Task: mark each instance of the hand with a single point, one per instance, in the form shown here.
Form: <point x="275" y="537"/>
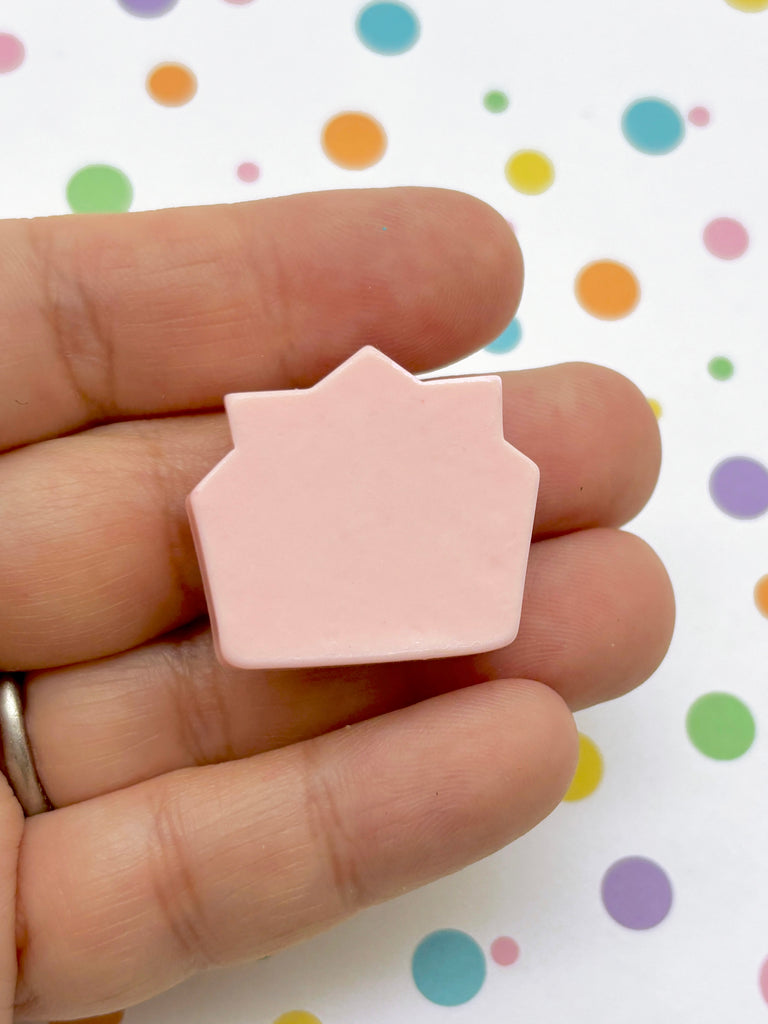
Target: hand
<point x="206" y="816"/>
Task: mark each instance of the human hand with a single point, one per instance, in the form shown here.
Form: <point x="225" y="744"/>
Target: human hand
<point x="204" y="815"/>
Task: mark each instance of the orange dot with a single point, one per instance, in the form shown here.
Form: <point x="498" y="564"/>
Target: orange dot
<point x="173" y="85"/>
<point x="607" y="289"/>
<point x="354" y="141"/>
<point x="761" y="595"/>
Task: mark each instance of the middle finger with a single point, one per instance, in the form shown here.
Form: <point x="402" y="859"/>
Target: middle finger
<point x="102" y="559"/>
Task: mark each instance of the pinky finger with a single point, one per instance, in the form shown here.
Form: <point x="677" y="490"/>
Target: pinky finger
<point x="125" y="895"/>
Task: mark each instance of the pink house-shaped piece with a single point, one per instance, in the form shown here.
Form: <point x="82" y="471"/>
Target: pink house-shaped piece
<point x="372" y="517"/>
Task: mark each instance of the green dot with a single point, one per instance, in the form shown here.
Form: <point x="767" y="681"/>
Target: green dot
<point x="721" y="368"/>
<point x="720" y="726"/>
<point x="495" y="101"/>
<point x="99" y="188"/>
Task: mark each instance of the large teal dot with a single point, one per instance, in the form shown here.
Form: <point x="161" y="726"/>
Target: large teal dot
<point x="653" y="126"/>
<point x="99" y="188"/>
<point x="448" y="967"/>
<point x="387" y="27"/>
<point x="508" y="339"/>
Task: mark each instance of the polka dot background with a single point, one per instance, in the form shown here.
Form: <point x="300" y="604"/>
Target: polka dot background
<point x="642" y="212"/>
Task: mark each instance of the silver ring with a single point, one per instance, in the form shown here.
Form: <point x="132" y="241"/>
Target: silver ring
<point x="17" y="753"/>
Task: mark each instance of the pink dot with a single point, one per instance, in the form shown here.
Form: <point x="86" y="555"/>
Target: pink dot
<point x="505" y="951"/>
<point x="699" y="116"/>
<point x="763" y="980"/>
<point x="726" y="238"/>
<point x="238" y="2"/>
<point x="248" y="171"/>
<point x="11" y="52"/>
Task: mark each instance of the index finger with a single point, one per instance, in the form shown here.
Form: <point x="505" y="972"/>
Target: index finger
<point x="120" y="315"/>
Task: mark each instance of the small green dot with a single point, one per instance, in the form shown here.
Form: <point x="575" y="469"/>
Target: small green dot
<point x="720" y="726"/>
<point x="721" y="368"/>
<point x="99" y="188"/>
<point x="495" y="101"/>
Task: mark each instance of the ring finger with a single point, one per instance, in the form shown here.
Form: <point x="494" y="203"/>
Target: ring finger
<point x="108" y="725"/>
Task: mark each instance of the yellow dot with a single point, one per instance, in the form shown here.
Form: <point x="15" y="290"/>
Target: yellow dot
<point x="589" y="770"/>
<point x="761" y="595"/>
<point x="529" y="172"/>
<point x="354" y="140"/>
<point x="607" y="289"/>
<point x="656" y="406"/>
<point x="750" y="6"/>
<point x="297" y="1017"/>
<point x="173" y="85"/>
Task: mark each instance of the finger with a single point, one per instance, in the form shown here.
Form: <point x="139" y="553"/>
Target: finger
<point x="597" y="620"/>
<point x="11" y="828"/>
<point x="122" y="315"/>
<point x="214" y="865"/>
<point x="102" y="559"/>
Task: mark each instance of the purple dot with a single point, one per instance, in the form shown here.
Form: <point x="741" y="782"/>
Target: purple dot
<point x="637" y="893"/>
<point x="739" y="486"/>
<point x="147" y="8"/>
<point x="248" y="171"/>
<point x="11" y="52"/>
<point x="726" y="238"/>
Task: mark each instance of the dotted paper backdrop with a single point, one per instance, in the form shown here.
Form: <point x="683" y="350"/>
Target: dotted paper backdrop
<point x="627" y="145"/>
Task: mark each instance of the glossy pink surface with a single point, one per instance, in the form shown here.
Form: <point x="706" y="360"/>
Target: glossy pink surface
<point x="372" y="517"/>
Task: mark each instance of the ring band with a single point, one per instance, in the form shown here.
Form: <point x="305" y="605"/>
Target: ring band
<point x="17" y="753"/>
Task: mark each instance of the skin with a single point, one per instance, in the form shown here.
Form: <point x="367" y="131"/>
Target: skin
<point x="207" y="816"/>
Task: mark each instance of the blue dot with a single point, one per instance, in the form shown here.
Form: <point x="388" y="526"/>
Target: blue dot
<point x="653" y="126"/>
<point x="387" y="27"/>
<point x="448" y="967"/>
<point x="508" y="339"/>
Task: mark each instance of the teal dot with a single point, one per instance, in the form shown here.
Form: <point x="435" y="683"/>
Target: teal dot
<point x="653" y="126"/>
<point x="387" y="28"/>
<point x="99" y="188"/>
<point x="508" y="339"/>
<point x="448" y="967"/>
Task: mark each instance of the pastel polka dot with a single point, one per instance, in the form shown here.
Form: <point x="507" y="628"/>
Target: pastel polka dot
<point x="658" y="411"/>
<point x="496" y="101"/>
<point x="354" y="140"/>
<point x="748" y="6"/>
<point x="99" y="188"/>
<point x="720" y="367"/>
<point x="607" y="289"/>
<point x="762" y="980"/>
<point x="720" y="726"/>
<point x="699" y="116"/>
<point x="589" y="770"/>
<point x="761" y="595"/>
<point x="389" y="28"/>
<point x="448" y="967"/>
<point x="739" y="487"/>
<point x="147" y="8"/>
<point x="637" y="893"/>
<point x="530" y="172"/>
<point x="507" y="340"/>
<point x="653" y="126"/>
<point x="171" y="84"/>
<point x="297" y="1016"/>
<point x="504" y="951"/>
<point x="238" y="3"/>
<point x="248" y="171"/>
<point x="12" y="52"/>
<point x="726" y="238"/>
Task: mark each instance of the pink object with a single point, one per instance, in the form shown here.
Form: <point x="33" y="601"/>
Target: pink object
<point x="248" y="171"/>
<point x="699" y="116"/>
<point x="372" y="517"/>
<point x="726" y="238"/>
<point x="505" y="951"/>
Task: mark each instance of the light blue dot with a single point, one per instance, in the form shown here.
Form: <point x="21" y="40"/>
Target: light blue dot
<point x="448" y="967"/>
<point x="653" y="126"/>
<point x="508" y="339"/>
<point x="388" y="28"/>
